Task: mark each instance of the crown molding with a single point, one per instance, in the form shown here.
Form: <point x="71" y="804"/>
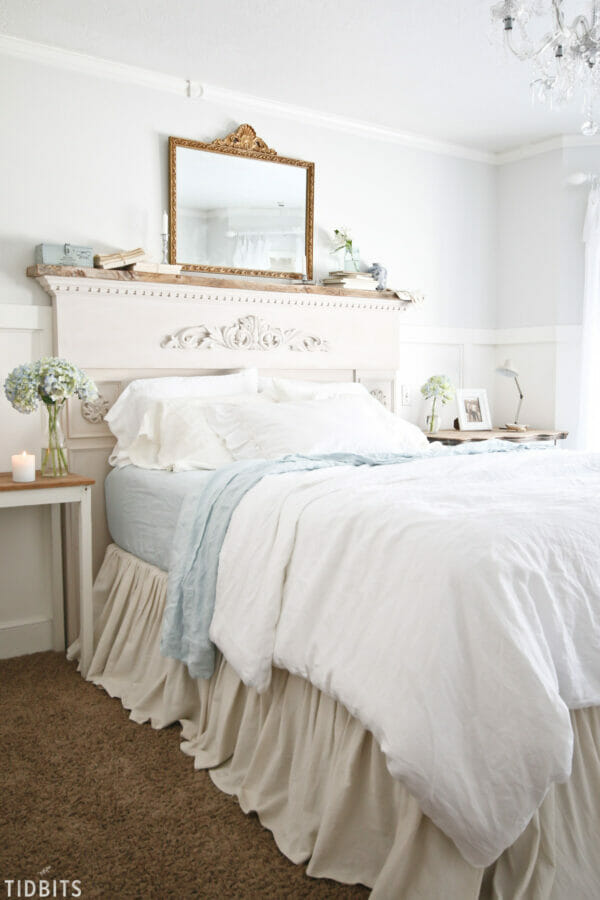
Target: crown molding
<point x="526" y="151"/>
<point x="72" y="60"/>
<point x="217" y="95"/>
<point x="94" y="65"/>
<point x="106" y="68"/>
<point x="563" y="142"/>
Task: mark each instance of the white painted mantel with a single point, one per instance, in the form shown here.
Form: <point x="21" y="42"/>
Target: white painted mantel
<point x="103" y="324"/>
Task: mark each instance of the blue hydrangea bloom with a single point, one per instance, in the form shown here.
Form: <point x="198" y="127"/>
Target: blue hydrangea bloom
<point x="51" y="380"/>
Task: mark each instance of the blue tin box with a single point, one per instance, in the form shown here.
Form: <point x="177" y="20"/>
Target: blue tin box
<point x="64" y="255"/>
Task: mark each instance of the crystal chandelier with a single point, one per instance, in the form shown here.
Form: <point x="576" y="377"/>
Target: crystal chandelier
<point x="566" y="59"/>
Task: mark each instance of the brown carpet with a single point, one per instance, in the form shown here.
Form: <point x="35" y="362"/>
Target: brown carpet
<point x="87" y="794"/>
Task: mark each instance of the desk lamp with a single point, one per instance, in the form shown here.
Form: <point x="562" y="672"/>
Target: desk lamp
<point x="509" y="371"/>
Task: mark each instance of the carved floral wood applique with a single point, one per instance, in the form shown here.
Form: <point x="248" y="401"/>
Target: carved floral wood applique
<point x="378" y="394"/>
<point x="245" y="138"/>
<point x="93" y="411"/>
<point x="246" y="333"/>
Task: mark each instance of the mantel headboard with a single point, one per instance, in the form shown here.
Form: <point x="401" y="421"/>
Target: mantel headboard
<point x="120" y="330"/>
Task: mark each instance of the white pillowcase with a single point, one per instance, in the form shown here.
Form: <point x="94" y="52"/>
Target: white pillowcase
<point x="185" y="438"/>
<point x="175" y="435"/>
<point x="290" y="389"/>
<point x="132" y="417"/>
<point x="354" y="424"/>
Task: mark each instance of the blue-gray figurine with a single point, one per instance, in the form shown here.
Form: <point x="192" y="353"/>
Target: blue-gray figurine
<point x="380" y="273"/>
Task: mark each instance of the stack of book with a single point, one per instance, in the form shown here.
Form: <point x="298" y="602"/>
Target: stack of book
<point x="119" y="260"/>
<point x="135" y="261"/>
<point x="354" y="281"/>
<point x="156" y="268"/>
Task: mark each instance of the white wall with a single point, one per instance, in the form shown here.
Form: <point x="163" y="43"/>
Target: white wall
<point x="529" y="228"/>
<point x="540" y="281"/>
<point x="88" y="164"/>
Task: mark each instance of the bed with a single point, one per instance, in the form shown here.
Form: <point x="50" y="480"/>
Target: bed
<point x="313" y="772"/>
<point x="312" y="760"/>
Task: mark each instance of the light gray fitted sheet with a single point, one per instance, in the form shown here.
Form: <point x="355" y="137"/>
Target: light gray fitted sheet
<point x="142" y="507"/>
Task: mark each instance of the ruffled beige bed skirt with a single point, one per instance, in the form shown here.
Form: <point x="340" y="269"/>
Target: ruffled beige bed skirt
<point x="318" y="780"/>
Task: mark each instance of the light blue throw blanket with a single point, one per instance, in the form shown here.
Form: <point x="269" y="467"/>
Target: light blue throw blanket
<point x="202" y="526"/>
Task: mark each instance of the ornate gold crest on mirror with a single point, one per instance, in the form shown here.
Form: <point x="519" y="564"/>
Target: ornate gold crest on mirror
<point x="236" y="207"/>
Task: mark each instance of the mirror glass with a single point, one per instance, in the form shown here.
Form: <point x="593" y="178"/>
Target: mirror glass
<point x="238" y="212"/>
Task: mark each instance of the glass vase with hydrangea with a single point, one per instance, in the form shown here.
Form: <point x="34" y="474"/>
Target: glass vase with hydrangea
<point x="52" y="381"/>
<point x="438" y="387"/>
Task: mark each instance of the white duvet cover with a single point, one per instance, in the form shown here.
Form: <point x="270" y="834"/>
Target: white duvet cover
<point x="451" y="604"/>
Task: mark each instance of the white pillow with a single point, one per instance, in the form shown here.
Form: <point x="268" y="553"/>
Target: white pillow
<point x="131" y="417"/>
<point x="290" y="389"/>
<point x="186" y="440"/>
<point x="353" y="424"/>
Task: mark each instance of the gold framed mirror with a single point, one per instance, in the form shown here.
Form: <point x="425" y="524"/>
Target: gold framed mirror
<point x="238" y="208"/>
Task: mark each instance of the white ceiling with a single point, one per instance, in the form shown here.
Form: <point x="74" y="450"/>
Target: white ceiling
<point x="422" y="66"/>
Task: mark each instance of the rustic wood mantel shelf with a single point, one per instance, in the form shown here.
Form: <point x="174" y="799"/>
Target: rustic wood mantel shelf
<point x="188" y="278"/>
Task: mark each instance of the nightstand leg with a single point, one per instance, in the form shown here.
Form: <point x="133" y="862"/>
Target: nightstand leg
<point x="58" y="599"/>
<point x="86" y="619"/>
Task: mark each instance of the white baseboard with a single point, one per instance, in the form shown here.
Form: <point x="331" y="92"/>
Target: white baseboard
<point x="27" y="636"/>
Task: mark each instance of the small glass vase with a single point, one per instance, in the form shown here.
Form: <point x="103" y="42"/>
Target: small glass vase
<point x="54" y="452"/>
<point x="352" y="260"/>
<point x="339" y="256"/>
<point x="433" y="423"/>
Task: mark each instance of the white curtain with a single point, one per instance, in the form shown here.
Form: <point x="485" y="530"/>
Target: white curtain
<point x="251" y="251"/>
<point x="589" y="412"/>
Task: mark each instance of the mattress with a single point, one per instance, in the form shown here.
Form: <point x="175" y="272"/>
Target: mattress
<point x="142" y="507"/>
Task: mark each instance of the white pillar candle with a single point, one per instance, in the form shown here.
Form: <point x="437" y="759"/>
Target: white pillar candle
<point x="23" y="467"/>
<point x="165" y="223"/>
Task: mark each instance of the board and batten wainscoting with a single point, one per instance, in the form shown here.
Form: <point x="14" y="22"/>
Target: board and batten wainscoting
<point x="112" y="329"/>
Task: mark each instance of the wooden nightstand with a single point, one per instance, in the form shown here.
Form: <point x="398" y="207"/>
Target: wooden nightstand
<point x="52" y="492"/>
<point x="452" y="436"/>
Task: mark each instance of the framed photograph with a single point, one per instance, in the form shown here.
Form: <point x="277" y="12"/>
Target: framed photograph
<point x="473" y="409"/>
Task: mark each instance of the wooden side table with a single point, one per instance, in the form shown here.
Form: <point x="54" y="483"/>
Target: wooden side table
<point x="452" y="437"/>
<point x="52" y="492"/>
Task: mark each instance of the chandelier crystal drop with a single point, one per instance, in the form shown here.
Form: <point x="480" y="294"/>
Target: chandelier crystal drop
<point x="566" y="59"/>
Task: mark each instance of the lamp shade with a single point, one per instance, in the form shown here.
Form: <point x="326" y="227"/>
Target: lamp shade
<point x="508" y="369"/>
